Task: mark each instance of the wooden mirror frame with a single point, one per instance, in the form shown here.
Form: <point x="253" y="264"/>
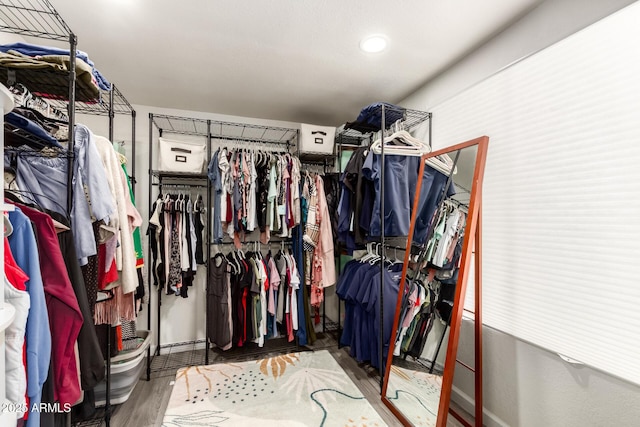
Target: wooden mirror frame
<point x="461" y="285"/>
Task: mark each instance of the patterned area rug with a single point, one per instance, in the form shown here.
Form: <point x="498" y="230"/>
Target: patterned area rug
<point x="416" y="394"/>
<point x="296" y="389"/>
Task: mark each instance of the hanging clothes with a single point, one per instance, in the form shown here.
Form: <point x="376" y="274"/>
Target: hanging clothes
<point x="64" y="313"/>
<point x="359" y="205"/>
<point x="254" y="189"/>
<point x="127" y="216"/>
<point x="219" y="304"/>
<point x="198" y="209"/>
<point x="360" y="288"/>
<point x="252" y="297"/>
<point x="69" y="257"/>
<point x="177" y="243"/>
<point x="430" y="293"/>
<point x="15" y="293"/>
<point x="38" y="335"/>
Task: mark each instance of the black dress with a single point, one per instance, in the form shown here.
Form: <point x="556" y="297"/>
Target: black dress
<point x="218" y="299"/>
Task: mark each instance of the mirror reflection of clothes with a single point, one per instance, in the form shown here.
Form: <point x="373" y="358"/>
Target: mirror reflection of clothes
<point x="220" y="323"/>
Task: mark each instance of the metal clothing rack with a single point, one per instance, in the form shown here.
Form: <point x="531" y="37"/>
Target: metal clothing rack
<point x="411" y="119"/>
<point x="180" y="126"/>
<point x="212" y="130"/>
<point x="38" y="18"/>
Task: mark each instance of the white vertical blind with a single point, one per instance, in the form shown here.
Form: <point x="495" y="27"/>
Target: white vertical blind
<point x="561" y="206"/>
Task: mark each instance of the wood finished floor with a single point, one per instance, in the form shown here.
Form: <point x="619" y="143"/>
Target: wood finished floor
<point x="146" y="405"/>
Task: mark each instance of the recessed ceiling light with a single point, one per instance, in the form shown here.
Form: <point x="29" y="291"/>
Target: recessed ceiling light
<point x="373" y="44"/>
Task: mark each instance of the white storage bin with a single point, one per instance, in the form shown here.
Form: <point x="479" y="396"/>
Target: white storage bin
<point x="317" y="140"/>
<point x="181" y="156"/>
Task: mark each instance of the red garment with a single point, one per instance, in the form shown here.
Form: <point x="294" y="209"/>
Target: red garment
<point x="119" y="337"/>
<point x="14" y="274"/>
<point x="288" y="315"/>
<point x="18" y="279"/>
<point x="65" y="317"/>
<point x="105" y="278"/>
<point x="245" y="293"/>
<point x="266" y="280"/>
<point x="229" y="215"/>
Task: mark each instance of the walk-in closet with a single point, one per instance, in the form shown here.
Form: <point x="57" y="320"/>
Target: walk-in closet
<point x="319" y="214"/>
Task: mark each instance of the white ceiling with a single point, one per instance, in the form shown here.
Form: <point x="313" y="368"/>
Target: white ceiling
<point x="295" y="60"/>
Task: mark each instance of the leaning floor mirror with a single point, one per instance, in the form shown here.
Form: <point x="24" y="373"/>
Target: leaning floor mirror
<point x="421" y="361"/>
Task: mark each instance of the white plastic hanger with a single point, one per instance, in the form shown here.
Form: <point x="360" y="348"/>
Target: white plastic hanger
<point x="369" y="253"/>
<point x="442" y="163"/>
<point x="411" y="145"/>
<point x="406" y="144"/>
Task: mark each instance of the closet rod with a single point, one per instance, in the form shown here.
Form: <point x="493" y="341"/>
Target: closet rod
<point x="458" y="203"/>
<point x="185" y="186"/>
<point x="399" y="248"/>
<point x="272" y="242"/>
<point x="243" y="139"/>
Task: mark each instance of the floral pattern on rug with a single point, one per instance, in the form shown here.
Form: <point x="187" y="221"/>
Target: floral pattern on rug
<point x="297" y="389"/>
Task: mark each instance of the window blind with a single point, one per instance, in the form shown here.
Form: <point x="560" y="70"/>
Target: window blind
<point x="561" y="206"/>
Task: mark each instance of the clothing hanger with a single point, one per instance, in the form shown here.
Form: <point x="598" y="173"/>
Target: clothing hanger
<point x="20" y="94"/>
<point x="104" y="295"/>
<point x="32" y="197"/>
<point x="442" y="163"/>
<point x="14" y="175"/>
<point x="233" y="262"/>
<point x="378" y="256"/>
<point x="369" y="253"/>
<point x="26" y="138"/>
<point x="259" y="250"/>
<point x="411" y="146"/>
<point x="8" y="227"/>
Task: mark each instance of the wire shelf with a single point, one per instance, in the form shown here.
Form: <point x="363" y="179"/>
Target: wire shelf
<point x="253" y="133"/>
<point x="55" y="84"/>
<point x="13" y="152"/>
<point x="101" y="107"/>
<point x="231" y="131"/>
<point x="14" y="133"/>
<point x="411" y="120"/>
<point x="38" y="18"/>
<point x="35" y="18"/>
<point x="180" y="125"/>
<point x="178" y="175"/>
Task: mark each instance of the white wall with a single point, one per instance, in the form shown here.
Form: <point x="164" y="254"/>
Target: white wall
<point x="526" y="385"/>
